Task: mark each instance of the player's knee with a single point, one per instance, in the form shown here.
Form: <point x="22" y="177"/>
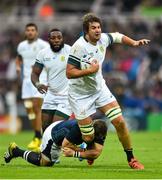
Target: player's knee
<point x="31" y="116"/>
<point x="28" y="104"/>
<point x="119" y="123"/>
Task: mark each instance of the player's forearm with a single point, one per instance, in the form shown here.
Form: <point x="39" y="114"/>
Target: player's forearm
<point x="88" y="154"/>
<point x="128" y="41"/>
<point x="74" y="147"/>
<point x="36" y="71"/>
<point x="35" y="79"/>
<point x="131" y="42"/>
<point x="76" y="73"/>
<point x="68" y="144"/>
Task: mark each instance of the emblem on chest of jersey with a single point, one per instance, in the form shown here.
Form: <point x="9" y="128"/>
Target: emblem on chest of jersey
<point x="101" y="48"/>
<point x="62" y="58"/>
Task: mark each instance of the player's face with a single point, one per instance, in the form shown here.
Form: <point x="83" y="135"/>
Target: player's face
<point x="56" y="41"/>
<point x="31" y="33"/>
<point x="94" y="31"/>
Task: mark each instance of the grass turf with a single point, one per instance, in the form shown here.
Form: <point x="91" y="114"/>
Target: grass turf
<point x="111" y="164"/>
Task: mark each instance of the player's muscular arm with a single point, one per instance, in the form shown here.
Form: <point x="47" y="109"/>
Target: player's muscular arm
<point x="68" y="144"/>
<point x="120" y="38"/>
<point x="73" y="72"/>
<point x="92" y="153"/>
<point x="36" y="71"/>
<point x="128" y="41"/>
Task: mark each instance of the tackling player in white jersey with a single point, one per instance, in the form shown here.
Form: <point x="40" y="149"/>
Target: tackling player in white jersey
<point x="27" y="51"/>
<point x="54" y="60"/>
<point x="87" y="88"/>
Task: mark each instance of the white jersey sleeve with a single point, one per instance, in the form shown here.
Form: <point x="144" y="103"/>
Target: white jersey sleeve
<point x="117" y="37"/>
<point x="110" y="38"/>
<point x="106" y="39"/>
<point x="76" y="53"/>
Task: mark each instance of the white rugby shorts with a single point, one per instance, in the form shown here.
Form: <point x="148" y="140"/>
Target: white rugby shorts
<point x="85" y="105"/>
<point x="29" y="90"/>
<point x="57" y="102"/>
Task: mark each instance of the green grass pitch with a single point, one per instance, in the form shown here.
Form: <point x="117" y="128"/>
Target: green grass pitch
<point x="111" y="164"/>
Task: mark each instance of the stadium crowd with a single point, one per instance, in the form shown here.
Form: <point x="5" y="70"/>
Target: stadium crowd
<point x="134" y="75"/>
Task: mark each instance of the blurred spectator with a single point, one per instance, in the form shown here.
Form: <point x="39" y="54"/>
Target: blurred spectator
<point x="46" y="11"/>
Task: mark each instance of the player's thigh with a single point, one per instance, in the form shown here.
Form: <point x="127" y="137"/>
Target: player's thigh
<point x="50" y="151"/>
<point x="60" y="116"/>
<point x="46" y="144"/>
<point x="83" y="106"/>
<point x="105" y="98"/>
<point x="85" y="121"/>
<point x="108" y="106"/>
<point x="47" y="115"/>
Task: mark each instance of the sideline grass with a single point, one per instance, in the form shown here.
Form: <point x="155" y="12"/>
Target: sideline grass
<point x="110" y="165"/>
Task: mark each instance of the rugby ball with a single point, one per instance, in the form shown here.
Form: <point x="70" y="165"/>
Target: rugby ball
<point x="86" y="61"/>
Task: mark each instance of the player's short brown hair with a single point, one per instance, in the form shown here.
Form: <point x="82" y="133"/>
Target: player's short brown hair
<point x="89" y="18"/>
<point x="100" y="128"/>
<point x="32" y="25"/>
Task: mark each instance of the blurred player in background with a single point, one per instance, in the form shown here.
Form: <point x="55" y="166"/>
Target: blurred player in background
<point x="54" y="59"/>
<point x="87" y="88"/>
<point x="65" y="135"/>
<point x="27" y="51"/>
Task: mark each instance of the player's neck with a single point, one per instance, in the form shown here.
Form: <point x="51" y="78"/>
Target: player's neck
<point x="89" y="40"/>
<point x="31" y="40"/>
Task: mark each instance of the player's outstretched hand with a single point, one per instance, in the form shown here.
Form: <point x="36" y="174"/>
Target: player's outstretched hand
<point x="141" y="42"/>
